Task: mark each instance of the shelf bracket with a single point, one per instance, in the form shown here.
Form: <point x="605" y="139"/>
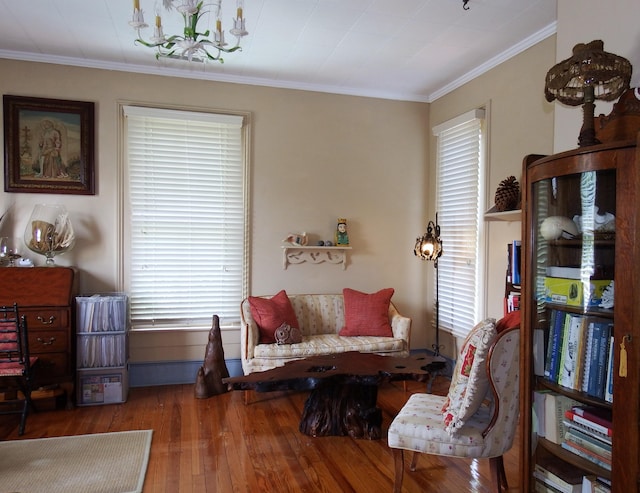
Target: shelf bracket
<point x="314" y="254"/>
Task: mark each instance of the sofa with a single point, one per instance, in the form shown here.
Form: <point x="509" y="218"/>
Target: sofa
<point x="322" y="323"/>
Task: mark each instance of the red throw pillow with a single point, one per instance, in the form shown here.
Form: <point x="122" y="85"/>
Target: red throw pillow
<point x="271" y="313"/>
<point x="367" y="314"/>
<point x="509" y="321"/>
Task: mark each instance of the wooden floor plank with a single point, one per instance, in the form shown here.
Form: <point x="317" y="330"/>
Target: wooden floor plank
<point x="223" y="445"/>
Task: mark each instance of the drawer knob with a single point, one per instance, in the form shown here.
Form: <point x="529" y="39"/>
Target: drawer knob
<point x="46" y="322"/>
<point x="46" y="343"/>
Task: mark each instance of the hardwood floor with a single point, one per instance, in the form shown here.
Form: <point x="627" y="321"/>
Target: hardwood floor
<point x="223" y="445"/>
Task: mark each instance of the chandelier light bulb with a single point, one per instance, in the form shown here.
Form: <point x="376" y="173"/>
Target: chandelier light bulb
<point x="196" y="42"/>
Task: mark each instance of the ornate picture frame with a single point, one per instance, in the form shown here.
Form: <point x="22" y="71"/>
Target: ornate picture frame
<point x="49" y="145"/>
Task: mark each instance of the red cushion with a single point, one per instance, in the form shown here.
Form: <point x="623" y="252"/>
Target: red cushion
<point x="270" y="314"/>
<point x="367" y="314"/>
<point x="509" y="321"/>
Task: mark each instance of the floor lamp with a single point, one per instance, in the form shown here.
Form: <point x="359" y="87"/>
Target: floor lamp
<point x="429" y="247"/>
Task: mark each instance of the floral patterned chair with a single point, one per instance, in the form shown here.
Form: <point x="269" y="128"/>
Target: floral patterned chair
<point x="479" y="416"/>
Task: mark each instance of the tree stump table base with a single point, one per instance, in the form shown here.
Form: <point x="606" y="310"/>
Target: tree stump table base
<point x="344" y="388"/>
<point x="342" y="410"/>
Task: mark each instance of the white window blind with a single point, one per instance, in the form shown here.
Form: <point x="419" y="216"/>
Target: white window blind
<point x="185" y="217"/>
<point x="458" y="204"/>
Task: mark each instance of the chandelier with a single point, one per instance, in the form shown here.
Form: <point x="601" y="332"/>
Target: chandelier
<point x="192" y="44"/>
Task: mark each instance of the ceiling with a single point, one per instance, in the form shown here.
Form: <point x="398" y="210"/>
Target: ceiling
<point x="414" y="50"/>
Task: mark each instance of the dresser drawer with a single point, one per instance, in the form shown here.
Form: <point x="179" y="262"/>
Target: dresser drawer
<point x="51" y="366"/>
<point x="48" y="341"/>
<point x="46" y="318"/>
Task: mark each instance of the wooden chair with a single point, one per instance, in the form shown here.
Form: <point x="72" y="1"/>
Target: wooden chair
<point x="488" y="433"/>
<point x="16" y="365"/>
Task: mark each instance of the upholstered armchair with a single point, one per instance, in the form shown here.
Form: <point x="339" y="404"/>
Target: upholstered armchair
<point x="479" y="416"/>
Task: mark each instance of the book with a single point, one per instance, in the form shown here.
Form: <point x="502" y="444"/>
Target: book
<point x="589" y="431"/>
<point x="515" y="262"/>
<point x="593" y="484"/>
<point x="603" y="360"/>
<point x="599" y="487"/>
<point x="550" y="344"/>
<point x="564" y="271"/>
<point x="556" y="342"/>
<point x="539" y="398"/>
<point x="571" y="415"/>
<point x="587" y="451"/>
<point x="513" y="302"/>
<point x="596" y="445"/>
<point x="570" y="354"/>
<point x="558" y="474"/>
<point x="548" y="485"/>
<point x="587" y="483"/>
<point x="542" y="487"/>
<point x="598" y="359"/>
<point x="608" y="388"/>
<point x="581" y="354"/>
<point x="556" y="406"/>
<point x="538" y="352"/>
<point x="585" y="455"/>
<point x="587" y="357"/>
<point x="594" y="414"/>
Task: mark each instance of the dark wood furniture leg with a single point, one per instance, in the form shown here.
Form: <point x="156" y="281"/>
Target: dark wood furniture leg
<point x="398" y="460"/>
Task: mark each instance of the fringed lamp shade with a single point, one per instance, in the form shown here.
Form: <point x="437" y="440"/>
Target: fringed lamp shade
<point x="589" y="74"/>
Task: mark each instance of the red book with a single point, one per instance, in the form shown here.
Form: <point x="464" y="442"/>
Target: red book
<point x="596" y="414"/>
<point x="588" y="452"/>
<point x="592" y="425"/>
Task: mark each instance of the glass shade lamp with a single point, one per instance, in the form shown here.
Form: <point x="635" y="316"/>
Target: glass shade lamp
<point x="49" y="231"/>
<point x="589" y="74"/>
<point x="429" y="247"/>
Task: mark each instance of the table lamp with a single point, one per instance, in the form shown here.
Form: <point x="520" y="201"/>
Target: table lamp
<point x="589" y="74"/>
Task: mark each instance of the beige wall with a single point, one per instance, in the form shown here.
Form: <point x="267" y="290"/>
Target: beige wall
<point x="520" y="123"/>
<point x="314" y="157"/>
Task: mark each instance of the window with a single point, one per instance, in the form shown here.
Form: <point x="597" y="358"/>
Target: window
<point x="460" y="156"/>
<point x="184" y="221"/>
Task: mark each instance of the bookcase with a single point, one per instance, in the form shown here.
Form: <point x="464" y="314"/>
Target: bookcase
<point x="102" y="348"/>
<point x="568" y="275"/>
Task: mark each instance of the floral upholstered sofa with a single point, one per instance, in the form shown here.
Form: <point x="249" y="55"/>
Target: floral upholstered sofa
<point x="321" y="324"/>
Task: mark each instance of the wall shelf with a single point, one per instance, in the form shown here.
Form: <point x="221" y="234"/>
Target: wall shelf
<point x="314" y="254"/>
<point x="493" y="215"/>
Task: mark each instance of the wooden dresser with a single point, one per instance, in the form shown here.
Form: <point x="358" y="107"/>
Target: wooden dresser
<point x="44" y="295"/>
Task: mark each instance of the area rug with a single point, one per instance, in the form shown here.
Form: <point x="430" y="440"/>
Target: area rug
<point x="98" y="463"/>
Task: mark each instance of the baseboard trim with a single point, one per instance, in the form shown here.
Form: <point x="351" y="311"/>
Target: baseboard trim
<point x="154" y="373"/>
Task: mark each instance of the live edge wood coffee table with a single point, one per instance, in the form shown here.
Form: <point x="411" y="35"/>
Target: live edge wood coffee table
<point x="344" y="388"/>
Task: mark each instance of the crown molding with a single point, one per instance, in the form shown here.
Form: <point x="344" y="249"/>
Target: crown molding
<point x="516" y="49"/>
<point x="283" y="84"/>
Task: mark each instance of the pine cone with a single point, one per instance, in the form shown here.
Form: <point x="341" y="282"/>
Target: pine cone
<point x="508" y="195"/>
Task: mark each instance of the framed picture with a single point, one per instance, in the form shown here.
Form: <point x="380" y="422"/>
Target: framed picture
<point x="48" y="145"/>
